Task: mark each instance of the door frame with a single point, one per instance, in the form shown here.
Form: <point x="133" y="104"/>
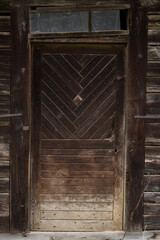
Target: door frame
<point x="20" y="103"/>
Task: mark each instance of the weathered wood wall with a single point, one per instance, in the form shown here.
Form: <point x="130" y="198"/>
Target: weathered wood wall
<point x="4" y="122"/>
<point x="152" y="162"/>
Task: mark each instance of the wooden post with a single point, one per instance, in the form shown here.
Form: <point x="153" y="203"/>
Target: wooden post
<point x="135" y="104"/>
<point x="19" y="145"/>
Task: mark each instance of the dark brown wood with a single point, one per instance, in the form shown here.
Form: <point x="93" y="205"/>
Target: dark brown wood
<point x="153" y="53"/>
<point x="4" y="170"/>
<point x="147" y="116"/>
<point x="154" y="183"/>
<point x="153" y="36"/>
<point x="152" y="103"/>
<point x="11" y="115"/>
<point x="137" y="52"/>
<point x="152" y="222"/>
<point x="4" y="224"/>
<point x="152" y="209"/>
<point x="152" y="198"/>
<point x="72" y="3"/>
<point x="153" y="84"/>
<point x="4" y="123"/>
<point x="4" y="205"/>
<point x="108" y="37"/>
<point x="5" y="24"/>
<point x="4" y="40"/>
<point x="20" y="83"/>
<point x="154" y="21"/>
<point x="153" y="68"/>
<point x="73" y="128"/>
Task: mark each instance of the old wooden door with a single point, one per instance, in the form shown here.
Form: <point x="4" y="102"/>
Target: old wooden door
<point x="77" y="137"/>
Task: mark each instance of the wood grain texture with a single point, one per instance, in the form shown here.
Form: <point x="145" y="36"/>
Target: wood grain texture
<point x="4" y="169"/>
<point x="153" y="53"/>
<point x="75" y="138"/>
<point x="153" y="68"/>
<point x="76" y="225"/>
<point x="71" y="3"/>
<point x="153" y="84"/>
<point x="20" y="82"/>
<point x="4" y="185"/>
<point x="136" y="105"/>
<point x="153" y="37"/>
<point x="152" y="162"/>
<point x="152" y="103"/>
<point x="152" y="209"/>
<point x="152" y="197"/>
<point x="77" y="198"/>
<point x="5" y="68"/>
<point x="77" y="215"/>
<point x="151" y="222"/>
<point x="5" y="23"/>
<point x="154" y="183"/>
<point x="4" y="224"/>
<point x="4" y="205"/>
<point x="154" y="21"/>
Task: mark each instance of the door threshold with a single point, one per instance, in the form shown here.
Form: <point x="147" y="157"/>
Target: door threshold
<point x="107" y="235"/>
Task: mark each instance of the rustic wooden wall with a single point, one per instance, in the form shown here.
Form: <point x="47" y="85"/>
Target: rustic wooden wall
<point x="4" y="122"/>
<point x="152" y="162"/>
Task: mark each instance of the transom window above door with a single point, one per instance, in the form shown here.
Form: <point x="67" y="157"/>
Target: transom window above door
<point x="77" y="21"/>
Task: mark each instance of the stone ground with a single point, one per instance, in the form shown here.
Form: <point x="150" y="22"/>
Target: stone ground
<point x="82" y="236"/>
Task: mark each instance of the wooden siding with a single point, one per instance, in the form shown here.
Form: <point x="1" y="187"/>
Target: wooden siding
<point x="4" y="122"/>
<point x="152" y="160"/>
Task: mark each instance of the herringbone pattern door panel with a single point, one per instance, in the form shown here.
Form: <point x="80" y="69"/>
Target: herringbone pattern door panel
<point x="76" y="183"/>
<point x="78" y="96"/>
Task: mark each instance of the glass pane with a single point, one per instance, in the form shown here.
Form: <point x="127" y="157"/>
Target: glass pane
<point x="59" y="22"/>
<point x="105" y="20"/>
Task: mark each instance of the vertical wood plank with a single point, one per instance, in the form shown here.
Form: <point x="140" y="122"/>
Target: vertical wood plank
<point x="20" y="86"/>
<point x="36" y="134"/>
<point x="135" y="104"/>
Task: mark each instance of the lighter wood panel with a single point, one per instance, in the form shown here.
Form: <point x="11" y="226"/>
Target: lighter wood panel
<point x="78" y="152"/>
<point x="78" y="189"/>
<point x="152" y="222"/>
<point x="152" y="209"/>
<point x="5" y="69"/>
<point x="152" y="197"/>
<point x="76" y="225"/>
<point x="77" y="198"/>
<point x="76" y="206"/>
<point x="4" y="204"/>
<point x="76" y="182"/>
<point x="153" y="84"/>
<point x="78" y="167"/>
<point x="77" y="159"/>
<point x="77" y="144"/>
<point x="74" y="174"/>
<point x="78" y="215"/>
<point x="4" y="185"/>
